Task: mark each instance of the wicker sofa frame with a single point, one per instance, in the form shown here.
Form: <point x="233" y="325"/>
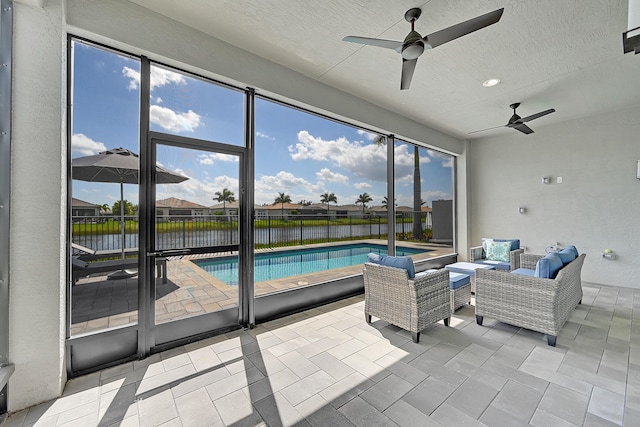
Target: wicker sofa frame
<point x="534" y="303"/>
<point x="411" y="304"/>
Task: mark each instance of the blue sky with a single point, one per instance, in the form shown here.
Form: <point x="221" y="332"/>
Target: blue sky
<point x="297" y="153"/>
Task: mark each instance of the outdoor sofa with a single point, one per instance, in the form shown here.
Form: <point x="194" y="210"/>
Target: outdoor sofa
<point x="537" y="303"/>
<point x="392" y="292"/>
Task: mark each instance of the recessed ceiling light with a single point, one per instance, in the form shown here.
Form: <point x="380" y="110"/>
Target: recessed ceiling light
<point x="491" y="82"/>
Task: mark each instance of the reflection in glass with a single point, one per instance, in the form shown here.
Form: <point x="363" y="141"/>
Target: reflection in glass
<point x="424" y="191"/>
<point x="197" y="215"/>
<point x="104" y="214"/>
<point x="189" y="106"/>
<point x="319" y="194"/>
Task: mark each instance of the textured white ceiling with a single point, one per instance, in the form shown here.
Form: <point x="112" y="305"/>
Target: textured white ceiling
<point x="562" y="54"/>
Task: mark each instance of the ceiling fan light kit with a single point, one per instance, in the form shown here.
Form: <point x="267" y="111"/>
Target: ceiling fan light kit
<point x="631" y="37"/>
<point x="414" y="44"/>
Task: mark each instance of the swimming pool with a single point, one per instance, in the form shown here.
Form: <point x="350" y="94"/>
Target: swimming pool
<point x="275" y="265"/>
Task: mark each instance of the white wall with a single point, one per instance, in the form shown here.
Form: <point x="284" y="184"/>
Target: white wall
<point x="596" y="207"/>
<point x="37" y="262"/>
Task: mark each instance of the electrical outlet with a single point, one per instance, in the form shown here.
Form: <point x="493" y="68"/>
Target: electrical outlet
<point x="559" y="180"/>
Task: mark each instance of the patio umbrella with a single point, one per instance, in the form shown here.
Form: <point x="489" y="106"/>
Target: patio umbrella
<point x="118" y="165"/>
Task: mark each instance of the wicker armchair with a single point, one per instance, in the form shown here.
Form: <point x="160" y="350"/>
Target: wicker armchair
<point x="476" y="254"/>
<point x="411" y="304"/>
<point x="534" y="303"/>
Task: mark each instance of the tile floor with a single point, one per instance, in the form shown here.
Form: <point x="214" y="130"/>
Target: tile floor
<point x="327" y="367"/>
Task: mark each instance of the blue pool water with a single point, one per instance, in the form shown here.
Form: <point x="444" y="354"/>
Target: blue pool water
<point x="274" y="265"/>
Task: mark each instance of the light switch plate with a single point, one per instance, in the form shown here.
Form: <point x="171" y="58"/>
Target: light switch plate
<point x="559" y="180"/>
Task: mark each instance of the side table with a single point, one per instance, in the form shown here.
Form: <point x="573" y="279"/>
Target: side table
<point x="470" y="269"/>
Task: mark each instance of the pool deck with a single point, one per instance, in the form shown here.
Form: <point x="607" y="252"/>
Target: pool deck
<point x="98" y="303"/>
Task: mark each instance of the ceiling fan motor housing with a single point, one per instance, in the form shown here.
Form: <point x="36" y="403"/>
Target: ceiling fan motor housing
<point x="412" y="47"/>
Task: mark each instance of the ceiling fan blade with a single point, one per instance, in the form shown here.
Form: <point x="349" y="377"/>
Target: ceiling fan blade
<point x="535" y="116"/>
<point x="408" y="65"/>
<point x="523" y="128"/>
<point x="463" y="28"/>
<point x="389" y="44"/>
<point x="482" y="130"/>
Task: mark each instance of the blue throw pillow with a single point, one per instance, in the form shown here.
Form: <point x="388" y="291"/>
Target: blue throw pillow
<point x="404" y="262"/>
<point x="548" y="267"/>
<point x="374" y="258"/>
<point x="568" y="254"/>
<point x="515" y="243"/>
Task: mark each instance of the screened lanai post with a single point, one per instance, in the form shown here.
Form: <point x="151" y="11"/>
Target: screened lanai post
<point x="247" y="215"/>
<point x="6" y="44"/>
<point x="123" y="220"/>
<point x="391" y="195"/>
<point x="146" y="304"/>
<point x="417" y="195"/>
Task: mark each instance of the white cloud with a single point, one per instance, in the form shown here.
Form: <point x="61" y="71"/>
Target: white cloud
<point x="446" y="160"/>
<point x="158" y="100"/>
<point x="362" y="185"/>
<point x="85" y="146"/>
<point x="159" y="77"/>
<point x="267" y="188"/>
<point x="133" y="76"/>
<point x="264" y="135"/>
<point x="198" y="191"/>
<point x="326" y="175"/>
<point x="369" y="135"/>
<point x="366" y="161"/>
<point x="283" y="181"/>
<point x="162" y="77"/>
<point x="211" y="158"/>
<point x="172" y="121"/>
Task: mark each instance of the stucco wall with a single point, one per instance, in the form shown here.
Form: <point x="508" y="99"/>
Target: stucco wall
<point x="596" y="206"/>
<point x="36" y="300"/>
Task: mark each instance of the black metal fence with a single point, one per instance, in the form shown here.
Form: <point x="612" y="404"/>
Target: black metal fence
<point x="102" y="233"/>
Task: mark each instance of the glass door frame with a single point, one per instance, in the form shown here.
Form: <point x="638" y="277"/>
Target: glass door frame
<point x="159" y="336"/>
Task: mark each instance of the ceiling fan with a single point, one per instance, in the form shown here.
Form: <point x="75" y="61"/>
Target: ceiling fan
<point x="414" y="44"/>
<point x="517" y="122"/>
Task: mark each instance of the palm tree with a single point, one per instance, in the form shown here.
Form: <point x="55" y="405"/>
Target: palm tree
<point x="103" y="209"/>
<point x="328" y="198"/>
<point x="385" y="202"/>
<point x="224" y="196"/>
<point x="380" y="140"/>
<point x="129" y="209"/>
<point x="364" y="198"/>
<point x="282" y="199"/>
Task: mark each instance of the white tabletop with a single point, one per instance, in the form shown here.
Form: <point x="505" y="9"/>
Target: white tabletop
<point x="468" y="266"/>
